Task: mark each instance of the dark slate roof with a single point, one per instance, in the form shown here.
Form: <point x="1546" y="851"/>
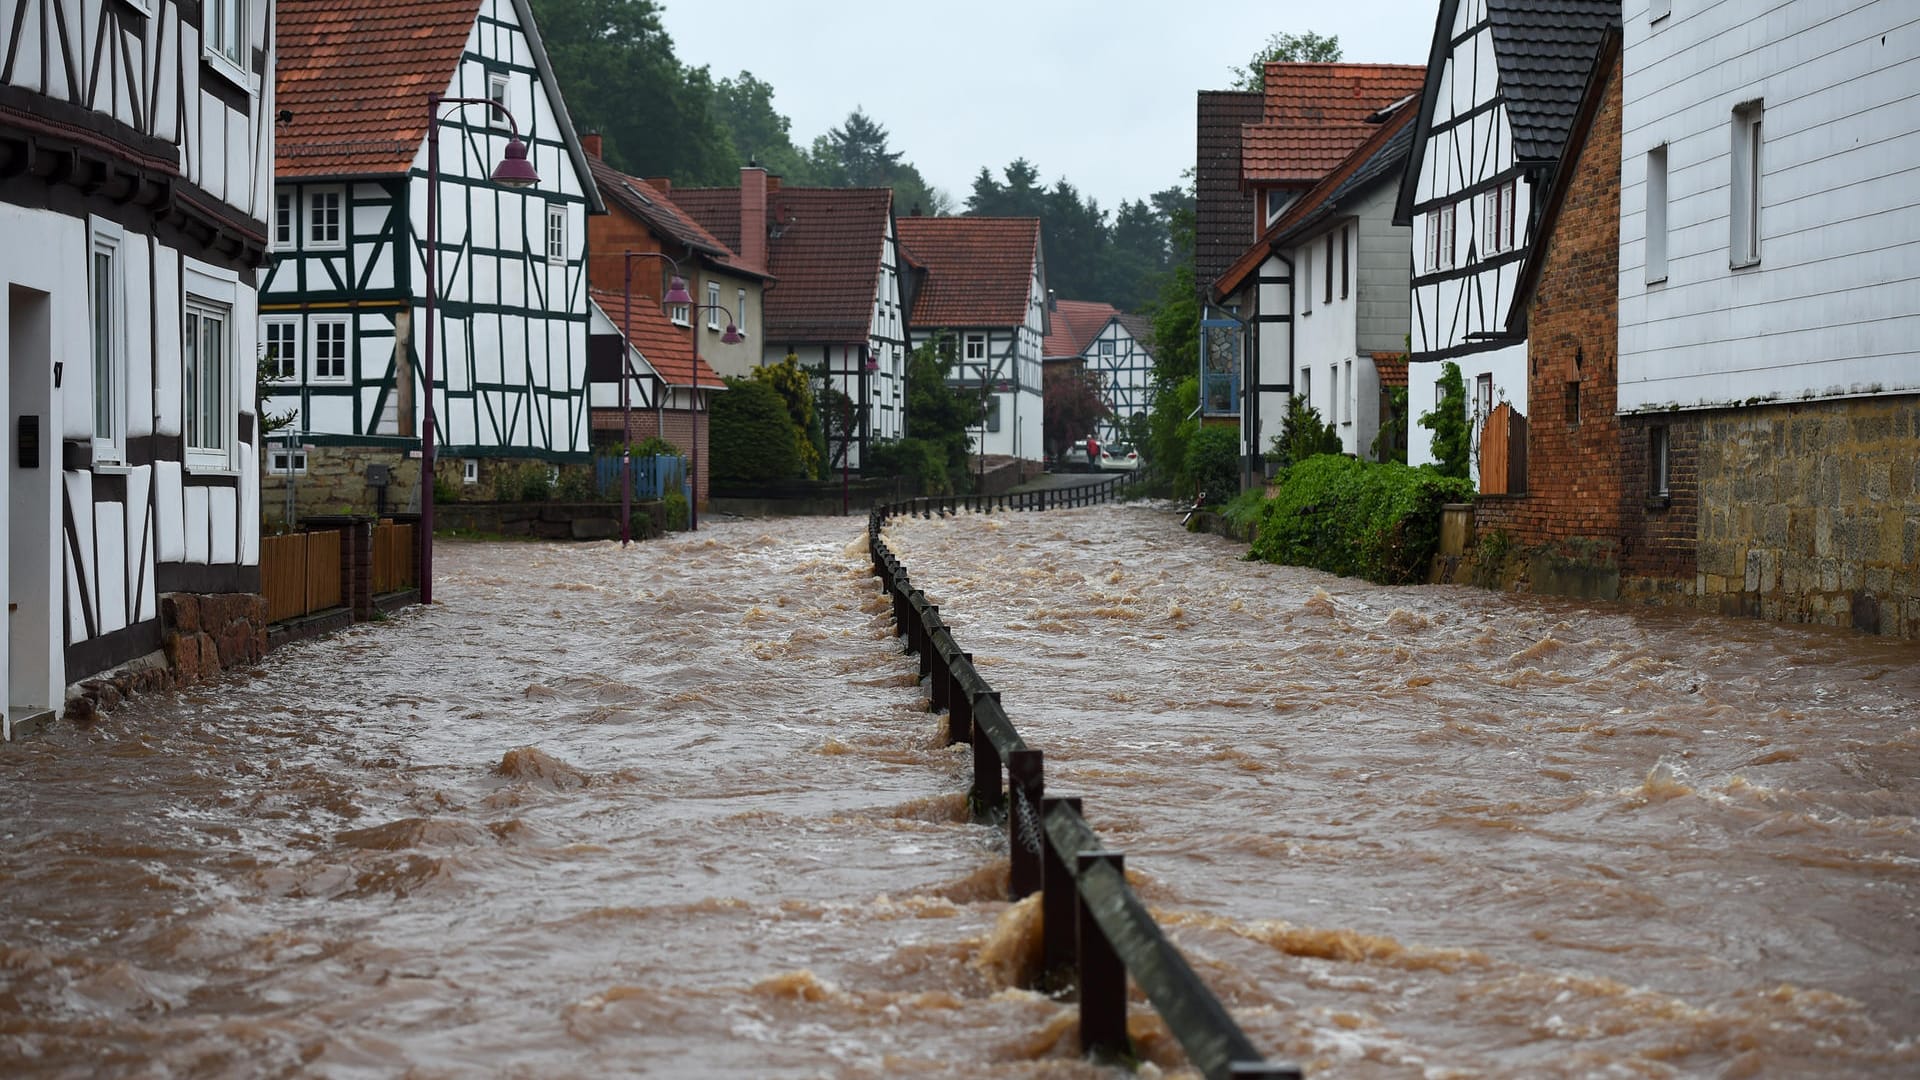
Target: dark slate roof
<point x="1225" y="219"/>
<point x="1545" y="49"/>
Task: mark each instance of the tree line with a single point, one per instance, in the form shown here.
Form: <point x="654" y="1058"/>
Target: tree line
<point x="659" y="116"/>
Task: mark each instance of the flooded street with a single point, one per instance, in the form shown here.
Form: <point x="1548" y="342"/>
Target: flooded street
<point x="680" y="811"/>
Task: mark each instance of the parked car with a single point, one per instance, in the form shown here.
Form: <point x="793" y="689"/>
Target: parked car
<point x="1119" y="456"/>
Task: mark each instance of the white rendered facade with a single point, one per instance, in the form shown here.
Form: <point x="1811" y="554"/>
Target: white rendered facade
<point x="1828" y="307"/>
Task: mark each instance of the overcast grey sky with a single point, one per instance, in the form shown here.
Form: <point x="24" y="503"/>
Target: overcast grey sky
<point x="1101" y="93"/>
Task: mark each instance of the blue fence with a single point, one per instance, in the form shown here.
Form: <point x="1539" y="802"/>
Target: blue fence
<point x="651" y="475"/>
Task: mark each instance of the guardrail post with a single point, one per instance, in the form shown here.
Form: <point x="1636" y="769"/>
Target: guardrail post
<point x="915" y="601"/>
<point x="929" y="622"/>
<point x="1103" y="979"/>
<point x="1059" y="903"/>
<point x="1026" y="832"/>
<point x="1260" y="1070"/>
<point x="940" y="687"/>
<point x="960" y="710"/>
<point x="987" y="796"/>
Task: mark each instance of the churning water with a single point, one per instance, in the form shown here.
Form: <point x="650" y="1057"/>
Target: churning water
<point x="679" y="810"/>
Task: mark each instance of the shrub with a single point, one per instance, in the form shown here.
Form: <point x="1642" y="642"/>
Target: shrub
<point x="653" y="446"/>
<point x="1302" y="435"/>
<point x="676" y="507"/>
<point x="920" y="462"/>
<point x="1213" y="463"/>
<point x="753" y="440"/>
<point x="796" y="393"/>
<point x="522" y="481"/>
<point x="445" y="490"/>
<point x="577" y="484"/>
<point x="1169" y="426"/>
<point x="1379" y="521"/>
<point x="1452" y="438"/>
<point x="1245" y="507"/>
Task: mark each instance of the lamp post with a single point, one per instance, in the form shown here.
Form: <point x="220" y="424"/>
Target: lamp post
<point x="731" y="336"/>
<point x="676" y="294"/>
<point x="514" y="171"/>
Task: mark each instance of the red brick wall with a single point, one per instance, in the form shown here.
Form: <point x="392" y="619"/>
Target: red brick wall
<point x="1659" y="535"/>
<point x="1576" y="467"/>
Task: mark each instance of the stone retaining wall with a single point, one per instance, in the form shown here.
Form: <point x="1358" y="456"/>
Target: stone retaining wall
<point x="201" y="636"/>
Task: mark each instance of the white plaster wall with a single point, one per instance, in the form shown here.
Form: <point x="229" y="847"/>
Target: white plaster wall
<point x="1829" y="310"/>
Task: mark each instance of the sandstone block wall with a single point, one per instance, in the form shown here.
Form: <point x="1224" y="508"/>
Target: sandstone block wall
<point x="202" y="635"/>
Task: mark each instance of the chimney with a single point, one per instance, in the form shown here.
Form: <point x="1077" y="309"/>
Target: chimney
<point x="661" y="184"/>
<point x="590" y="142"/>
<point x="753" y="217"/>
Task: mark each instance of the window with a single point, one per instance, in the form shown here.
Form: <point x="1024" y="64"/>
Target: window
<point x="1657" y="462"/>
<point x="225" y="32"/>
<point x="713" y="305"/>
<point x="1439" y="393"/>
<point x="1328" y="298"/>
<point x="470" y="470"/>
<point x="497" y="93"/>
<point x="1345" y="261"/>
<point x="1496" y="215"/>
<point x="1106" y="348"/>
<point x="281" y="340"/>
<point x="1350" y="394"/>
<point x="107" y="301"/>
<point x="329" y="348"/>
<point x="283" y="219"/>
<point x="1745" y="245"/>
<point x="1440" y="239"/>
<point x="975" y="348"/>
<point x="326" y="210"/>
<point x="1656" y="214"/>
<point x="680" y="315"/>
<point x="1333" y="399"/>
<point x="1306" y="386"/>
<point x="1482" y="396"/>
<point x="557" y="235"/>
<point x="993" y="413"/>
<point x="206" y="346"/>
<point x="1276" y="204"/>
<point x="740" y="311"/>
<point x="287" y="462"/>
<point x="1306" y="280"/>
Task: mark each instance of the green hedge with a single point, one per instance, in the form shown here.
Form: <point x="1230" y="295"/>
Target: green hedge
<point x="1213" y="463"/>
<point x="753" y="439"/>
<point x="1379" y="521"/>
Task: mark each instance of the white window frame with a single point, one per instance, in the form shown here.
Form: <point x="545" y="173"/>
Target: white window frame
<point x="680" y="315"/>
<point x="316" y="356"/>
<point x="1497" y="233"/>
<point x="556" y="234"/>
<point x="286" y="364"/>
<point x="1326" y="271"/>
<point x="1333" y="397"/>
<point x="740" y="311"/>
<point x="992" y="419"/>
<point x="1346" y="261"/>
<point x="225" y="35"/>
<point x="713" y="305"/>
<point x="1656" y="214"/>
<point x="284" y="462"/>
<point x="109" y="356"/>
<point x="1440" y="238"/>
<point x="469" y="470"/>
<point x="1306" y="387"/>
<point x="286" y="219"/>
<point x="1743" y="222"/>
<point x="207" y="405"/>
<point x="1351" y="401"/>
<point x="967" y="352"/>
<point x="499" y="91"/>
<point x="316" y="238"/>
<point x="1306" y="279"/>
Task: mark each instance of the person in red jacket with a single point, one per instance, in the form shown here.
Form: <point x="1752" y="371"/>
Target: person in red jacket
<point x="1093" y="452"/>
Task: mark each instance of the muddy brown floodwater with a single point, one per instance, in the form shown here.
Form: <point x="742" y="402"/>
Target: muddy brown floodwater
<point x="679" y="811"/>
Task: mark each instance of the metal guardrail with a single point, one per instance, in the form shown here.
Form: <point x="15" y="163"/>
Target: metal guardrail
<point x="1095" y="930"/>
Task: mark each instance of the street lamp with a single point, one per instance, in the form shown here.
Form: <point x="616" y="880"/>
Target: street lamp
<point x="514" y="171"/>
<point x="677" y="294"/>
<point x="731" y="336"/>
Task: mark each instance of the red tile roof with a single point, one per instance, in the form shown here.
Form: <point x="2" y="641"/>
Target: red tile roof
<point x="1320" y="94"/>
<point x="1392" y="368"/>
<point x="979" y="269"/>
<point x="641" y="200"/>
<point x="824" y="244"/>
<point x="667" y="347"/>
<point x="1313" y="115"/>
<point x="1075" y="324"/>
<point x="356" y="77"/>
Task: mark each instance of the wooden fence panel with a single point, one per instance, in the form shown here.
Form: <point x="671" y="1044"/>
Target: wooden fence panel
<point x="392" y="558"/>
<point x="283" y="575"/>
<point x="1493" y="450"/>
<point x="324" y="587"/>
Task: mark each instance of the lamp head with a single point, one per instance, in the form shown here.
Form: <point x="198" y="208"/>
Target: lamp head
<point x="677" y="291"/>
<point x="732" y="336"/>
<point x="514" y="170"/>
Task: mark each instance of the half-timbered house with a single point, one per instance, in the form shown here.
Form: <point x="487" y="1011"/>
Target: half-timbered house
<point x="983" y="286"/>
<point x="1327" y="288"/>
<point x="342" y="307"/>
<point x="670" y="389"/>
<point x="1111" y="346"/>
<point x="1503" y="81"/>
<point x="135" y="143"/>
<point x="837" y="303"/>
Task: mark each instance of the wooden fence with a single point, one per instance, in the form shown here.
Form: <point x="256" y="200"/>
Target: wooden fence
<point x="393" y="559"/>
<point x="1503" y="452"/>
<point x="300" y="574"/>
<point x="1095" y="929"/>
